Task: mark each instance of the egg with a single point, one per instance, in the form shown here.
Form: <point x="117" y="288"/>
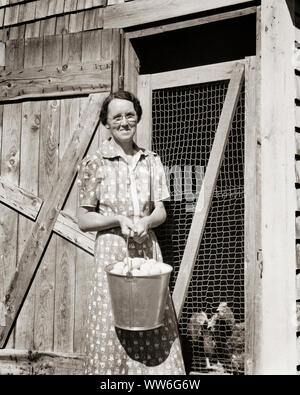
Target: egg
<point x="164" y="268"/>
<point x="136" y="263"/>
<point x="154" y="270"/>
<point x="116" y="271"/>
<point x="136" y="272"/>
<point x="127" y="260"/>
<point x="119" y="265"/>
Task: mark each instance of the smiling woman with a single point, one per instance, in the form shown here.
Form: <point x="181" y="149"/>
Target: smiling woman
<point x="121" y="192"/>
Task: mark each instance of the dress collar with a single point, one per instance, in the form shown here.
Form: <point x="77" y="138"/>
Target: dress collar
<point x="110" y="150"/>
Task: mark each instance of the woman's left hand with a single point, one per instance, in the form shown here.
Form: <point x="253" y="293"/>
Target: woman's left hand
<point x="141" y="230"/>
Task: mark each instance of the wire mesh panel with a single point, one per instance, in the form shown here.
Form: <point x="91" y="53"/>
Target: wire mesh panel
<point x="185" y="120"/>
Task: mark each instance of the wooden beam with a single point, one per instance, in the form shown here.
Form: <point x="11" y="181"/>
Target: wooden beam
<point x="19" y="199"/>
<point x="42" y="229"/>
<point x="207" y="189"/>
<point x="72" y="79"/>
<point x="144" y="129"/>
<point x="277" y="353"/>
<point x="29" y="205"/>
<point x="252" y="267"/>
<point x="24" y="362"/>
<point x="193" y="75"/>
<point x="143" y="11"/>
<point x="191" y="22"/>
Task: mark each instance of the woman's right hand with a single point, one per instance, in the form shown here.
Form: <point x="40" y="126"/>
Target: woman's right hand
<point x="127" y="226"/>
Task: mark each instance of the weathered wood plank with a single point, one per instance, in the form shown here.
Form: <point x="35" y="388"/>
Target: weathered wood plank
<point x="144" y="11"/>
<point x="32" y="29"/>
<point x="298" y="316"/>
<point x="191" y="22"/>
<point x="76" y="22"/>
<point x="41" y="10"/>
<point x="2" y="13"/>
<point x="64" y="309"/>
<point x="14" y="55"/>
<point x="298" y="286"/>
<point x="11" y="15"/>
<point x="70" y="5"/>
<point x="216" y="72"/>
<point x="252" y="270"/>
<point x="19" y="199"/>
<point x="58" y="80"/>
<point x="84" y="261"/>
<point x="115" y="57"/>
<point x="91" y="49"/>
<point x="24" y="362"/>
<point x="72" y="48"/>
<point x="48" y="173"/>
<point x="29" y="205"/>
<point x="144" y="128"/>
<point x="66" y="253"/>
<point x="29" y="169"/>
<point x="55" y="7"/>
<point x="48" y="214"/>
<point x="207" y="189"/>
<point x="28" y="11"/>
<point x="131" y="67"/>
<point x="10" y="170"/>
<point x="277" y="190"/>
<point x="62" y="24"/>
<point x="93" y="19"/>
<point x="47" y="27"/>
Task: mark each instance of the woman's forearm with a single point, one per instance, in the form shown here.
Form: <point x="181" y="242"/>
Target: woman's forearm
<point x="158" y="216"/>
<point x="92" y="221"/>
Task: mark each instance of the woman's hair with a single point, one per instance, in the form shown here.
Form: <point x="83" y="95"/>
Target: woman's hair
<point x="125" y="95"/>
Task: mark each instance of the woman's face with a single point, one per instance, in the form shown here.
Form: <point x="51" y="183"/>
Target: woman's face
<point x="121" y="120"/>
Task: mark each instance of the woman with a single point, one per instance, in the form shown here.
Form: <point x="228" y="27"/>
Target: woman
<point x="121" y="193"/>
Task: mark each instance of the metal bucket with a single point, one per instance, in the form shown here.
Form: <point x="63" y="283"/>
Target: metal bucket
<point x="138" y="303"/>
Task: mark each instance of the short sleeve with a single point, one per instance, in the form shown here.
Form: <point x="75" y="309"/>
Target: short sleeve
<point x="87" y="182"/>
<point x="159" y="183"/>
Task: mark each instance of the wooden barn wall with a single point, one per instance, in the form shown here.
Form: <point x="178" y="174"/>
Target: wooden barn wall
<point x="33" y="138"/>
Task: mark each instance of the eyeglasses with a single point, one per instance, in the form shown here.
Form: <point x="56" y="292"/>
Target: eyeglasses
<point x="130" y="118"/>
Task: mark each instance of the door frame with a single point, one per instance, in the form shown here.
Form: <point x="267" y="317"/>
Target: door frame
<point x="252" y="268"/>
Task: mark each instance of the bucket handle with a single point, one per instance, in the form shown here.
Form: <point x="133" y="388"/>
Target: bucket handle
<point x="129" y="272"/>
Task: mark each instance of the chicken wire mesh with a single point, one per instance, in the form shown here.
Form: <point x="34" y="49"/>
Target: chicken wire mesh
<point x="184" y="123"/>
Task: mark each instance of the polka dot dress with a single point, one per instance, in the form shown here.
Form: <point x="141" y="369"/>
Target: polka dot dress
<point x="108" y="183"/>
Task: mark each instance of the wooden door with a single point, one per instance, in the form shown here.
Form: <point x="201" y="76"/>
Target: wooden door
<point x="201" y="122"/>
<point x="51" y="92"/>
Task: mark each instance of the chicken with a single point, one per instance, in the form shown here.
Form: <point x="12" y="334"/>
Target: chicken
<point x="221" y="339"/>
<point x="222" y="324"/>
<point x="236" y="344"/>
<point x="195" y="325"/>
<point x="200" y="334"/>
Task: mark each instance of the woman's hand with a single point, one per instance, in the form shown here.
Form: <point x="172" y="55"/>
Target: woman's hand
<point x="141" y="230"/>
<point x="127" y="226"/>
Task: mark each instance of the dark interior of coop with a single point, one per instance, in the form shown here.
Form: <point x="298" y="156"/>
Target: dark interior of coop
<point x="184" y="124"/>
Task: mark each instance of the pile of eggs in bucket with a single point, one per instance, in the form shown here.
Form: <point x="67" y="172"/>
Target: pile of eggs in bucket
<point x="140" y="267"/>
